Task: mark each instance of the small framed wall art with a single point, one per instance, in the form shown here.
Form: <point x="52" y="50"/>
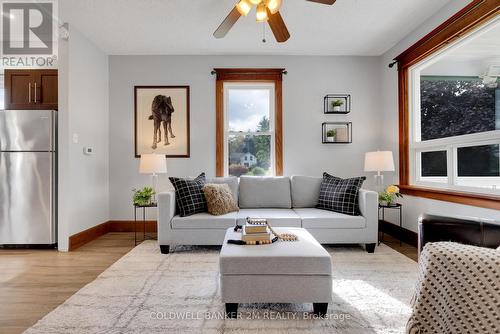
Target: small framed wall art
<point x="337" y="104"/>
<point x="337" y="132"/>
<point x="161" y="122"/>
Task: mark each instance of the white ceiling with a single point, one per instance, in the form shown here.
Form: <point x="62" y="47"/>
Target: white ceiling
<point x="349" y="27"/>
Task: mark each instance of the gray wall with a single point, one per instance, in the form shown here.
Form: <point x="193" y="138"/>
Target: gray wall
<point x="414" y="206"/>
<point x="309" y="79"/>
<point x="84" y="112"/>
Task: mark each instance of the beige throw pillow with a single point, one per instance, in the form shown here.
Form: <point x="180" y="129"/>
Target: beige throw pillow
<point x="219" y="199"/>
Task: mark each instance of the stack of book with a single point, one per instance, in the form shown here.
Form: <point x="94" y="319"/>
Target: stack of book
<point x="256" y="233"/>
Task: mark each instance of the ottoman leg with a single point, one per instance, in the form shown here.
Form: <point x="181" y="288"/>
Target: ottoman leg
<point x="231" y="310"/>
<point x="320" y="308"/>
<point x="165" y="249"/>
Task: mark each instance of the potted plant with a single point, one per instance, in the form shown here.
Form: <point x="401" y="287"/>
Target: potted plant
<point x="336" y="104"/>
<point x="142" y="197"/>
<point x="330" y="135"/>
<point x="389" y="195"/>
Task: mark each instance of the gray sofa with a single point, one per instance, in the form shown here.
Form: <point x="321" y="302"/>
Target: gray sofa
<point x="283" y="201"/>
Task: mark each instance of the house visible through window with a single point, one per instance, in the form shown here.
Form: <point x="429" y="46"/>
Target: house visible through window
<point x="455" y="119"/>
<point x="249" y="128"/>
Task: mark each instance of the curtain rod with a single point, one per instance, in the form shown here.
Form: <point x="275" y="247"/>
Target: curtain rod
<point x="393" y="63"/>
<point x="285" y="72"/>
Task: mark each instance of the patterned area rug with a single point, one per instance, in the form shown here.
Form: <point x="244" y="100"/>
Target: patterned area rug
<point x="148" y="292"/>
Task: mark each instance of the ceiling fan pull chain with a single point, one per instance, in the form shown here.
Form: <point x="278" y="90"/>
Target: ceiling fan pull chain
<point x="264" y="32"/>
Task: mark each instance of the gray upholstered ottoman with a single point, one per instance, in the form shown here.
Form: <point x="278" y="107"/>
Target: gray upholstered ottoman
<point x="282" y="272"/>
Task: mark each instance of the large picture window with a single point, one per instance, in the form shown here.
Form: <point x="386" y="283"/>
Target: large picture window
<point x="448" y="143"/>
<point x="455" y="119"/>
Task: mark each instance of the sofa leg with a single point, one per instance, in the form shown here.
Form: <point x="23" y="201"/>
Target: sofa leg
<point x="232" y="310"/>
<point x="165" y="249"/>
<point x="320" y="309"/>
<point x="370" y="248"/>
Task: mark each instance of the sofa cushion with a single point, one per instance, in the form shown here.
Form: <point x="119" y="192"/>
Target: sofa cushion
<point x="340" y="195"/>
<point x="204" y="221"/>
<point x="324" y="219"/>
<point x="264" y="192"/>
<point x="275" y="217"/>
<point x="305" y="191"/>
<point x="231" y="181"/>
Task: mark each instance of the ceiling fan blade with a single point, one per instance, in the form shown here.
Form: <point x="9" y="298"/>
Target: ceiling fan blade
<point x="227" y="24"/>
<point x="278" y="27"/>
<point x="325" y="2"/>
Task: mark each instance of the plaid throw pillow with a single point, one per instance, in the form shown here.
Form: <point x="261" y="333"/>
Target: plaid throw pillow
<point x="189" y="195"/>
<point x="340" y="195"/>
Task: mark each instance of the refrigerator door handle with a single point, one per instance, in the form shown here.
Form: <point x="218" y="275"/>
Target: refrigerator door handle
<point x="29" y="92"/>
<point x="35" y="92"/>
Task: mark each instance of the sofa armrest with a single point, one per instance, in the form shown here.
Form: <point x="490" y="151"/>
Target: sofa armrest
<point x="166" y="211"/>
<point x="368" y="205"/>
<point x="466" y="230"/>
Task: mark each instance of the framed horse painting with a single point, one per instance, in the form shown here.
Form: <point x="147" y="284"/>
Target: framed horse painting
<point x="162" y="120"/>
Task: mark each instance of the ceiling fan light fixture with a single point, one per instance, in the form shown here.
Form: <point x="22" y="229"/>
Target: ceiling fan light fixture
<point x="274" y="5"/>
<point x="255" y="2"/>
<point x="261" y="14"/>
<point x="244" y="7"/>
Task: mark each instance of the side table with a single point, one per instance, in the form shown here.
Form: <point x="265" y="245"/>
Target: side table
<point x="143" y="207"/>
<point x="396" y="206"/>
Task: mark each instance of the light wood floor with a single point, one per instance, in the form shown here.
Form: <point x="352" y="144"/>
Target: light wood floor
<point x="34" y="282"/>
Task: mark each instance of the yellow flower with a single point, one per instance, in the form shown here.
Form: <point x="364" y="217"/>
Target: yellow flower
<point x="392" y="189"/>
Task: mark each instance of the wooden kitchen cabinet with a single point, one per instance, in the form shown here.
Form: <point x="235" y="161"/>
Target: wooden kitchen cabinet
<point x="30" y="89"/>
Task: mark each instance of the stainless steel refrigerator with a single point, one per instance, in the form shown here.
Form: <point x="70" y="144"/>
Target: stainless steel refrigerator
<point x="28" y="177"/>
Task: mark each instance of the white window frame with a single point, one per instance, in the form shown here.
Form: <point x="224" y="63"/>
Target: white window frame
<point x="272" y="129"/>
<point x="449" y="144"/>
<point x="2" y="91"/>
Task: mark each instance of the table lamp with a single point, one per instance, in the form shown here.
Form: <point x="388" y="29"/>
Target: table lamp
<point x="153" y="164"/>
<point x="379" y="161"/>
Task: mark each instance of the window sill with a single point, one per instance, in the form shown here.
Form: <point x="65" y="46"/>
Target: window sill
<point x="479" y="200"/>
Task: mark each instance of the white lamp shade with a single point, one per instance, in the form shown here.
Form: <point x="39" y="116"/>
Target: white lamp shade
<point x="152" y="164"/>
<point x="380" y="161"/>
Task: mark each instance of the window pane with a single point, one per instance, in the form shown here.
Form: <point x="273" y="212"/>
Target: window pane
<point x="248" y="109"/>
<point x="249" y="155"/>
<point x="477" y="161"/>
<point x="434" y="164"/>
<point x="452" y="106"/>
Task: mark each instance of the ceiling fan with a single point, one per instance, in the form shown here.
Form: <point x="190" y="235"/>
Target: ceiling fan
<point x="267" y="10"/>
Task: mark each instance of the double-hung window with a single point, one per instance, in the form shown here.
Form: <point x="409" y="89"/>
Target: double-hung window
<point x="249" y="131"/>
<point x="249" y="121"/>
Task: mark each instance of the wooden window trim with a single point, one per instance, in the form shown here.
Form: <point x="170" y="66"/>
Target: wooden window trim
<point x="274" y="75"/>
<point x="469" y="18"/>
